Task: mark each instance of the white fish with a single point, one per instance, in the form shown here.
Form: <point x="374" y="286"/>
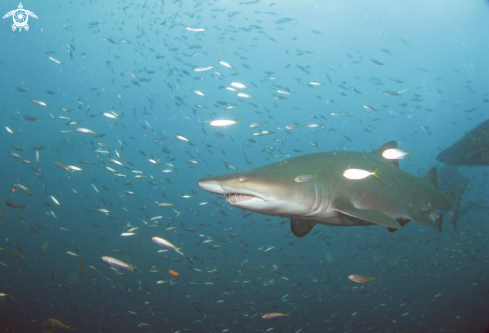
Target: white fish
<point x="225" y="64"/>
<point x="104" y="211"/>
<point x="396" y="154"/>
<point x="9" y="130"/>
<point x="114" y="161"/>
<point x="223" y="122"/>
<point x="203" y="69"/>
<point x="194" y="29"/>
<point x="55" y="60"/>
<point x="85" y="130"/>
<point x="167" y="244"/>
<point x="110" y="115"/>
<point x="244" y="95"/>
<point x="55" y="200"/>
<point x="238" y="85"/>
<point x="198" y="92"/>
<point x="182" y="138"/>
<point x="359" y="174"/>
<point x="74" y="168"/>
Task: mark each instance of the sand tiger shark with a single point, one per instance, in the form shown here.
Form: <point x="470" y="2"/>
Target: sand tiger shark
<point x="391" y="200"/>
<point x="471" y="149"/>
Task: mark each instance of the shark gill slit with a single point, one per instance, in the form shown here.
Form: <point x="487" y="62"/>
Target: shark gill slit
<point x="319" y="198"/>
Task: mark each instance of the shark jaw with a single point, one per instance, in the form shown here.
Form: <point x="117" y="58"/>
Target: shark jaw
<point x="244" y="193"/>
<point x="238" y="198"/>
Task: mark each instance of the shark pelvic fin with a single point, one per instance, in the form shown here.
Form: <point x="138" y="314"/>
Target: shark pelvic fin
<point x="420" y="217"/>
<point x="371" y="215"/>
<point x="437" y="217"/>
<point x="301" y="227"/>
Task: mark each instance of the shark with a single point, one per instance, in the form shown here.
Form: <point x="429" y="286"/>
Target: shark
<point x="311" y="189"/>
<point x="471" y="149"/>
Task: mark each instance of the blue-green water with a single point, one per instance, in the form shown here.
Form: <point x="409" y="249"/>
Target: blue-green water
<point x="305" y="62"/>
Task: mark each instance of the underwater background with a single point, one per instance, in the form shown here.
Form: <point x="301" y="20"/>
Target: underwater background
<point x="146" y="78"/>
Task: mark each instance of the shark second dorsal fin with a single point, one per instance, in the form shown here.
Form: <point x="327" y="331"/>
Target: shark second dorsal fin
<point x="301" y="227"/>
<point x="432" y="177"/>
<point x="385" y="146"/>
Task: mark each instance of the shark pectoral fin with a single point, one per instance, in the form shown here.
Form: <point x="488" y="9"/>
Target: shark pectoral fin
<point x="420" y="217"/>
<point x="371" y="215"/>
<point x="301" y="227"/>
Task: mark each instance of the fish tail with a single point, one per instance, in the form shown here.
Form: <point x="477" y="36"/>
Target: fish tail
<point x="179" y="250"/>
<point x="456" y="197"/>
<point x="374" y="280"/>
<point x="375" y="173"/>
<point x="239" y="122"/>
<point x="411" y="154"/>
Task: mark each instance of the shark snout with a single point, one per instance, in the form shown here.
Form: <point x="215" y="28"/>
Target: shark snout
<point x="211" y="185"/>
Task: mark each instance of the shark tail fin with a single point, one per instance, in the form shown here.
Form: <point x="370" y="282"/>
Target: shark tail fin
<point x="456" y="196"/>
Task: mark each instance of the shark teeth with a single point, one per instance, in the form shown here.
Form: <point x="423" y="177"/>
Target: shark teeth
<point x="234" y="198"/>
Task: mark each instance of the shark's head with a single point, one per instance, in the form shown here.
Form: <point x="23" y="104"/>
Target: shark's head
<point x="266" y="190"/>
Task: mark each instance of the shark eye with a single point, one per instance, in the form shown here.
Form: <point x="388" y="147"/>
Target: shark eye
<point x="241" y="179"/>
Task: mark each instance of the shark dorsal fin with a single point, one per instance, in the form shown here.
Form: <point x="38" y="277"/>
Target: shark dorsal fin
<point x="385" y="146"/>
<point x="432" y="177"/>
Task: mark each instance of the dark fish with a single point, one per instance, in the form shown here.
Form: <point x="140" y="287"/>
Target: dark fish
<point x="11" y="205"/>
<point x="31" y="118"/>
<point x="376" y="62"/>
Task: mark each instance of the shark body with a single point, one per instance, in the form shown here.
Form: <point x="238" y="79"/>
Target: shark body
<point x="471" y="149"/>
<point x="327" y="197"/>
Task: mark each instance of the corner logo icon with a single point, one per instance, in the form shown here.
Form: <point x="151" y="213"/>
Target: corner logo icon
<point x="20" y="17"/>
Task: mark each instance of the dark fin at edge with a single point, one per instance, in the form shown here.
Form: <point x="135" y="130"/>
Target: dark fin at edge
<point x="385" y="146"/>
<point x="457" y="197"/>
<point x="301" y="227"/>
<point x="402" y="222"/>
